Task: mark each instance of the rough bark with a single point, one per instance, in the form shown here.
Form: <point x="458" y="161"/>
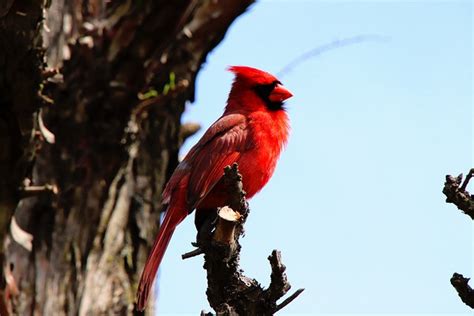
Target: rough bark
<point x="456" y="193"/>
<point x="229" y="291"/>
<point x="21" y="63"/>
<point x="92" y="136"/>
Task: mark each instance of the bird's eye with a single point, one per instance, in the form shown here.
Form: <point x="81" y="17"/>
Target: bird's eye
<point x="265" y="90"/>
<point x="274" y="84"/>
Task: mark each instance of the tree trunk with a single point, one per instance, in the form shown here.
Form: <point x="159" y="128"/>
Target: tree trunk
<point x="91" y="137"/>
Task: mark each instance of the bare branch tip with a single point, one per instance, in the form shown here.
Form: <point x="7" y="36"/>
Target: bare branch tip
<point x="193" y="253"/>
<point x="290" y="299"/>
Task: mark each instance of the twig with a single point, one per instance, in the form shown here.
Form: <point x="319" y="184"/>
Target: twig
<point x="288" y="300"/>
<point x="466" y="180"/>
<point x="145" y="105"/>
<point x="465" y="292"/>
<point x="138" y="113"/>
<point x="457" y="194"/>
<point x="328" y="47"/>
<point x="34" y="190"/>
<point x="192" y="253"/>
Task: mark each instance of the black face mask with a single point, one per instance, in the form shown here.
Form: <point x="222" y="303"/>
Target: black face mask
<point x="264" y="91"/>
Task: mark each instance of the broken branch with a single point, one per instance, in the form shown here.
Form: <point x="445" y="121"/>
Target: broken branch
<point x="229" y="291"/>
<point x="457" y="194"/>
<point x="465" y="292"/>
<point x="34" y="190"/>
<point x="227" y="220"/>
<point x="192" y="253"/>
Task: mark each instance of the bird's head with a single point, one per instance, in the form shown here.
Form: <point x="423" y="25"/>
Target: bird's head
<point x="254" y="88"/>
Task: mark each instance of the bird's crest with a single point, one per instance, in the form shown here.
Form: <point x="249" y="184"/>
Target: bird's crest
<point x="252" y="75"/>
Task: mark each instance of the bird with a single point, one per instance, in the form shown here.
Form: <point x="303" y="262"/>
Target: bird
<point x="252" y="132"/>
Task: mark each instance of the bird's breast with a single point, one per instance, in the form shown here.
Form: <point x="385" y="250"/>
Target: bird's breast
<point x="268" y="134"/>
<point x="266" y="137"/>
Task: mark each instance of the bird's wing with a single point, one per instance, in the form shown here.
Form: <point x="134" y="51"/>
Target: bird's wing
<point x="221" y="145"/>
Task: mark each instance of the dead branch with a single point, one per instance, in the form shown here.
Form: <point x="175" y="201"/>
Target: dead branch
<point x="465" y="292"/>
<point x="229" y="291"/>
<point x="456" y="193"/>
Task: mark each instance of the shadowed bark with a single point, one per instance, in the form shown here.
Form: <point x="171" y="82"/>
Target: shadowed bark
<point x="89" y="137"/>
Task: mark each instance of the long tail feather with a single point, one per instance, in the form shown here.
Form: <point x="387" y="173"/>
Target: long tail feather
<point x="172" y="218"/>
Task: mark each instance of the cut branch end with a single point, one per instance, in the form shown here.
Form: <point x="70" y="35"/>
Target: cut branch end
<point x="226" y="223"/>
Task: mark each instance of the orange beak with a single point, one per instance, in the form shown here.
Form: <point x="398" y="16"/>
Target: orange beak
<point x="280" y="94"/>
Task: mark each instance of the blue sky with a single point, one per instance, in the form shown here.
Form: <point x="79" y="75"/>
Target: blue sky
<point x="356" y="204"/>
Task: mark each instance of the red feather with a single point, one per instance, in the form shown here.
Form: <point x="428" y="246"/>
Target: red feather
<point x="252" y="132"/>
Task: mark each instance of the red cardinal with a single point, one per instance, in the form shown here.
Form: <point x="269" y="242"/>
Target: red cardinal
<point x="252" y="132"/>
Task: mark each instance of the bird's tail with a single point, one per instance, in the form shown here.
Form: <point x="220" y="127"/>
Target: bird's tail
<point x="173" y="217"/>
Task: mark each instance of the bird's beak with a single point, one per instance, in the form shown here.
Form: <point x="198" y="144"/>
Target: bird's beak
<point x="280" y="94"/>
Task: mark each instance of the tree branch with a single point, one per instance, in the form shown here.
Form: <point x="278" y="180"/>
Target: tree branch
<point x="229" y="291"/>
<point x="465" y="292"/>
<point x="456" y="193"/>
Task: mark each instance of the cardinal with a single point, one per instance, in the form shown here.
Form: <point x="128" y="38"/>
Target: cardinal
<point x="252" y="133"/>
